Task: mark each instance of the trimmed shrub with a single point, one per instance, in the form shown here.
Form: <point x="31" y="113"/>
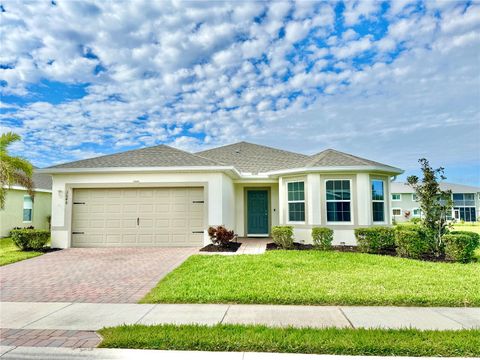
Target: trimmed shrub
<point x="376" y="240"/>
<point x="460" y="245"/>
<point x="30" y="239"/>
<point x="416" y="220"/>
<point x="220" y="235"/>
<point x="414" y="243"/>
<point x="409" y="226"/>
<point x="283" y="236"/>
<point x="322" y="238"/>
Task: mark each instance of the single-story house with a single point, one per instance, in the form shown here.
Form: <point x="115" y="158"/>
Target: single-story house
<point x="162" y="196"/>
<point x="21" y="210"/>
<point x="466" y="202"/>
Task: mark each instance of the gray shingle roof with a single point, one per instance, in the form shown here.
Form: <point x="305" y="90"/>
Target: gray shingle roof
<point x="332" y="157"/>
<point x="403" y="188"/>
<point x="252" y="158"/>
<point x="155" y="156"/>
<point x="245" y="157"/>
<point x="42" y="181"/>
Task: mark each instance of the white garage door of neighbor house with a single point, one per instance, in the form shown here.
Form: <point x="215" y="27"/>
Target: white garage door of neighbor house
<point x="137" y="217"/>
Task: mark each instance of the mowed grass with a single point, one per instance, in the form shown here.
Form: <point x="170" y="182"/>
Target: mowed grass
<point x="319" y="278"/>
<point x="475" y="227"/>
<point x="9" y="253"/>
<point x="464" y="343"/>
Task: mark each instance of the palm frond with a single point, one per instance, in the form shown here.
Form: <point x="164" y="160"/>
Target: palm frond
<point x="14" y="170"/>
<point x="24" y="180"/>
<point x="7" y="139"/>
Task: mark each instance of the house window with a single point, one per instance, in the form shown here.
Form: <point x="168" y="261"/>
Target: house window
<point x="296" y="201"/>
<point x="396" y="197"/>
<point x="416" y="212"/>
<point x="378" y="201"/>
<point x="414" y="197"/>
<point x="338" y="200"/>
<point x="464" y="205"/>
<point x="27" y="208"/>
<point x="397" y="212"/>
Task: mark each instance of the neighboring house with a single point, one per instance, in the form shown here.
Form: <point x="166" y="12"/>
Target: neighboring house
<point x="21" y="210"/>
<point x="466" y="202"/>
<point x="161" y="196"/>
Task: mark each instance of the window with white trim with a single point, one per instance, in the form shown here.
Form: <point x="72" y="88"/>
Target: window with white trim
<point x="378" y="201"/>
<point x="27" y="208"/>
<point x="396" y="197"/>
<point x="296" y="201"/>
<point x="397" y="212"/>
<point x="338" y="201"/>
<point x="416" y="212"/>
<point x="414" y="197"/>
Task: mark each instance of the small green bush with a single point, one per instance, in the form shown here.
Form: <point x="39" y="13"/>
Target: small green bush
<point x="283" y="236"/>
<point x="375" y="240"/>
<point x="416" y="220"/>
<point x="30" y="239"/>
<point x="414" y="243"/>
<point x="408" y="226"/>
<point x="460" y="245"/>
<point x="322" y="238"/>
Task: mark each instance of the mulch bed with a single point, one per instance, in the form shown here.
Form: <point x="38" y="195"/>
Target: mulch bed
<point x="231" y="247"/>
<point x="49" y="250"/>
<point x="296" y="246"/>
<point x="345" y="248"/>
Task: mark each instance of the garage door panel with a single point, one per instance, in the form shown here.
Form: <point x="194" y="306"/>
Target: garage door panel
<point x="167" y="217"/>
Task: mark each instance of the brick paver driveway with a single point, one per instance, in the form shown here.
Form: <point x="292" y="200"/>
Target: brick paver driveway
<point x="114" y="275"/>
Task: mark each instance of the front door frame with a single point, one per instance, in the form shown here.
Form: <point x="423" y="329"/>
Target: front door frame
<point x="269" y="215"/>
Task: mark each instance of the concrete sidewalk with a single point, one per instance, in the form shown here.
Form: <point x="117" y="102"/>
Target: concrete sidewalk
<point x="31" y="353"/>
<point x="82" y="316"/>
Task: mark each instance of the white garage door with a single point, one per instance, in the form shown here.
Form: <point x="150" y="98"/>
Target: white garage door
<point x="137" y="217"/>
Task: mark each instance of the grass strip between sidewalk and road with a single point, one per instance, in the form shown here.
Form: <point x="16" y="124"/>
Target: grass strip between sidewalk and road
<point x="254" y="338"/>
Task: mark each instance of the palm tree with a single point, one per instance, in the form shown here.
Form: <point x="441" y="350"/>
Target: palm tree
<point x="14" y="170"/>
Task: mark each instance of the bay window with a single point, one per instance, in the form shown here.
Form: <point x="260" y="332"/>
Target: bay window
<point x="378" y="201"/>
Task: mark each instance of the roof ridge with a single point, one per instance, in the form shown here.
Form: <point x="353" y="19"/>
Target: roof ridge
<point x="251" y="143"/>
<point x="194" y="154"/>
<point x="365" y="161"/>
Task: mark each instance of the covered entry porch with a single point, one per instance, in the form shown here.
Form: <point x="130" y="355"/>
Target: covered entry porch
<point x="256" y="210"/>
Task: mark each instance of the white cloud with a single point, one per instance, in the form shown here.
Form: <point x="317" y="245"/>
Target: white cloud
<point x="356" y="9"/>
<point x="196" y="74"/>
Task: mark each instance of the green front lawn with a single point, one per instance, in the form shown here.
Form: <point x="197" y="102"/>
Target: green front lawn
<point x="9" y="253"/>
<point x="319" y="278"/>
<point x="289" y="340"/>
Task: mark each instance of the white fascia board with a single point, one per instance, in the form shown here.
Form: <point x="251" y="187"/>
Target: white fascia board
<point x="25" y="189"/>
<point x="388" y="170"/>
<point x="53" y="171"/>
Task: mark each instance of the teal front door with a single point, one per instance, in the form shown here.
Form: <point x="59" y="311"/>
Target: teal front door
<point x="257" y="212"/>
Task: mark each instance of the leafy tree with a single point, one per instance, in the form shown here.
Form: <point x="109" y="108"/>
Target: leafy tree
<point x="14" y="170"/>
<point x="435" y="203"/>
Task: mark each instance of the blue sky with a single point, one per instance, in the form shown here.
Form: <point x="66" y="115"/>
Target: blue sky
<point x="392" y="82"/>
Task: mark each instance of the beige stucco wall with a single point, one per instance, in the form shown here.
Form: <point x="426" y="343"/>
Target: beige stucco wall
<point x="12" y="215"/>
<point x="218" y="194"/>
<point x="240" y="204"/>
<point x="316" y="206"/>
<point x="225" y="200"/>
